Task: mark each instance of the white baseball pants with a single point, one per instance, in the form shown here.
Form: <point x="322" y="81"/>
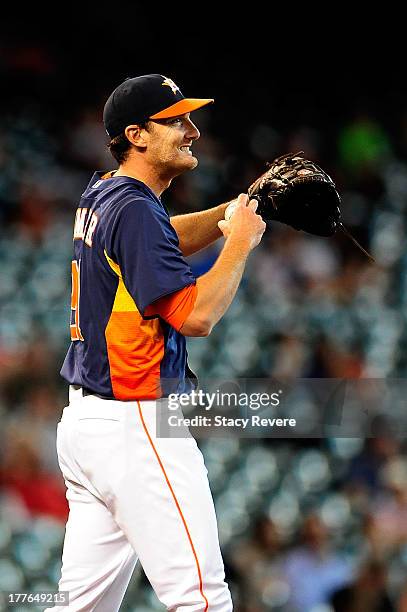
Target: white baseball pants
<point x="135" y="496"/>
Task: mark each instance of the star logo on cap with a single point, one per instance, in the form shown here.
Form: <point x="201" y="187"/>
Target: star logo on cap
<point x="170" y="83"/>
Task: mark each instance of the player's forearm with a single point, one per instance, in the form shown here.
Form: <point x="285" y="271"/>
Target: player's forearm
<point x="197" y="230"/>
<point x="217" y="288"/>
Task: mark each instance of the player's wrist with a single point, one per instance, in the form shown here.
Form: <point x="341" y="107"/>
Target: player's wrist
<point x="241" y="242"/>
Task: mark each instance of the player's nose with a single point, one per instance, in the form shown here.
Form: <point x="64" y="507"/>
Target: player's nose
<point x="192" y="131"/>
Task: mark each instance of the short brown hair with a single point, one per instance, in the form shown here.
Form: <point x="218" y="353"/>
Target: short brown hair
<point x="120" y="146"/>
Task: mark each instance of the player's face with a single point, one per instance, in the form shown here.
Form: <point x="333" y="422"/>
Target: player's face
<point x="169" y="144"/>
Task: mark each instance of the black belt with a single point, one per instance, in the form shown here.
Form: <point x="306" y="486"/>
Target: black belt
<point x="86" y="391"/>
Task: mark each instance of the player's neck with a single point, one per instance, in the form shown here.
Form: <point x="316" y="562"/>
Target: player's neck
<point x="156" y="183"/>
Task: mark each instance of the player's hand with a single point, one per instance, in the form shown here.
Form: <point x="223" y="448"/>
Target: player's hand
<point x="243" y="222"/>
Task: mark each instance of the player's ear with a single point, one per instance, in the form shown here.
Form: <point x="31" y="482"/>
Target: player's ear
<point x="136" y="135"/>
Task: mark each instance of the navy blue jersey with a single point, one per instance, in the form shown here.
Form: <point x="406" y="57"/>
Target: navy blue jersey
<point x="126" y="256"/>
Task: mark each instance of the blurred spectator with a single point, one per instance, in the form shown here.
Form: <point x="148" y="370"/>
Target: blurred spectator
<point x="35" y="419"/>
<point x="368" y="593"/>
<point x="30" y="368"/>
<point x="290" y="358"/>
<point x="364" y="475"/>
<point x="333" y="360"/>
<point x="388" y="519"/>
<point x="314" y="569"/>
<point x="40" y="492"/>
<point x="87" y="142"/>
<point x="256" y="561"/>
<point x="402" y="602"/>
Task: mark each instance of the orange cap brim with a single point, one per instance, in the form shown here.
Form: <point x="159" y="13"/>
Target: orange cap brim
<point x="186" y="105"/>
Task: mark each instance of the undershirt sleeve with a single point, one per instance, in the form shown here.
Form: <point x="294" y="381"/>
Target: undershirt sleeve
<point x="174" y="308"/>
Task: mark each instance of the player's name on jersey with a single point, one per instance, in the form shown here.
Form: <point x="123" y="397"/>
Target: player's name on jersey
<point x="222" y="421"/>
<point x="85" y="224"/>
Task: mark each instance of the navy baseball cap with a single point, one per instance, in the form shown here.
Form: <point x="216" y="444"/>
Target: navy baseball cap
<point x="151" y="96"/>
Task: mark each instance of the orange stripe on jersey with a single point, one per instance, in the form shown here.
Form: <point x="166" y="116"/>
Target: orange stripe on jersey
<point x="135" y="348"/>
<point x="109" y="174"/>
<point x="198" y="567"/>
<point x="176" y="307"/>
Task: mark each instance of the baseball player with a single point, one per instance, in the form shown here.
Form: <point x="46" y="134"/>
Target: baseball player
<point x="133" y="495"/>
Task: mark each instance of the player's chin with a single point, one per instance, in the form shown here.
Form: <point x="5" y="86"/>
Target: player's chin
<point x="187" y="162"/>
<point x="193" y="161"/>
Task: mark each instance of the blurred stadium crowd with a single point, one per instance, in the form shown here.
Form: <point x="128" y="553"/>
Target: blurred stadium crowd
<point x="306" y="525"/>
